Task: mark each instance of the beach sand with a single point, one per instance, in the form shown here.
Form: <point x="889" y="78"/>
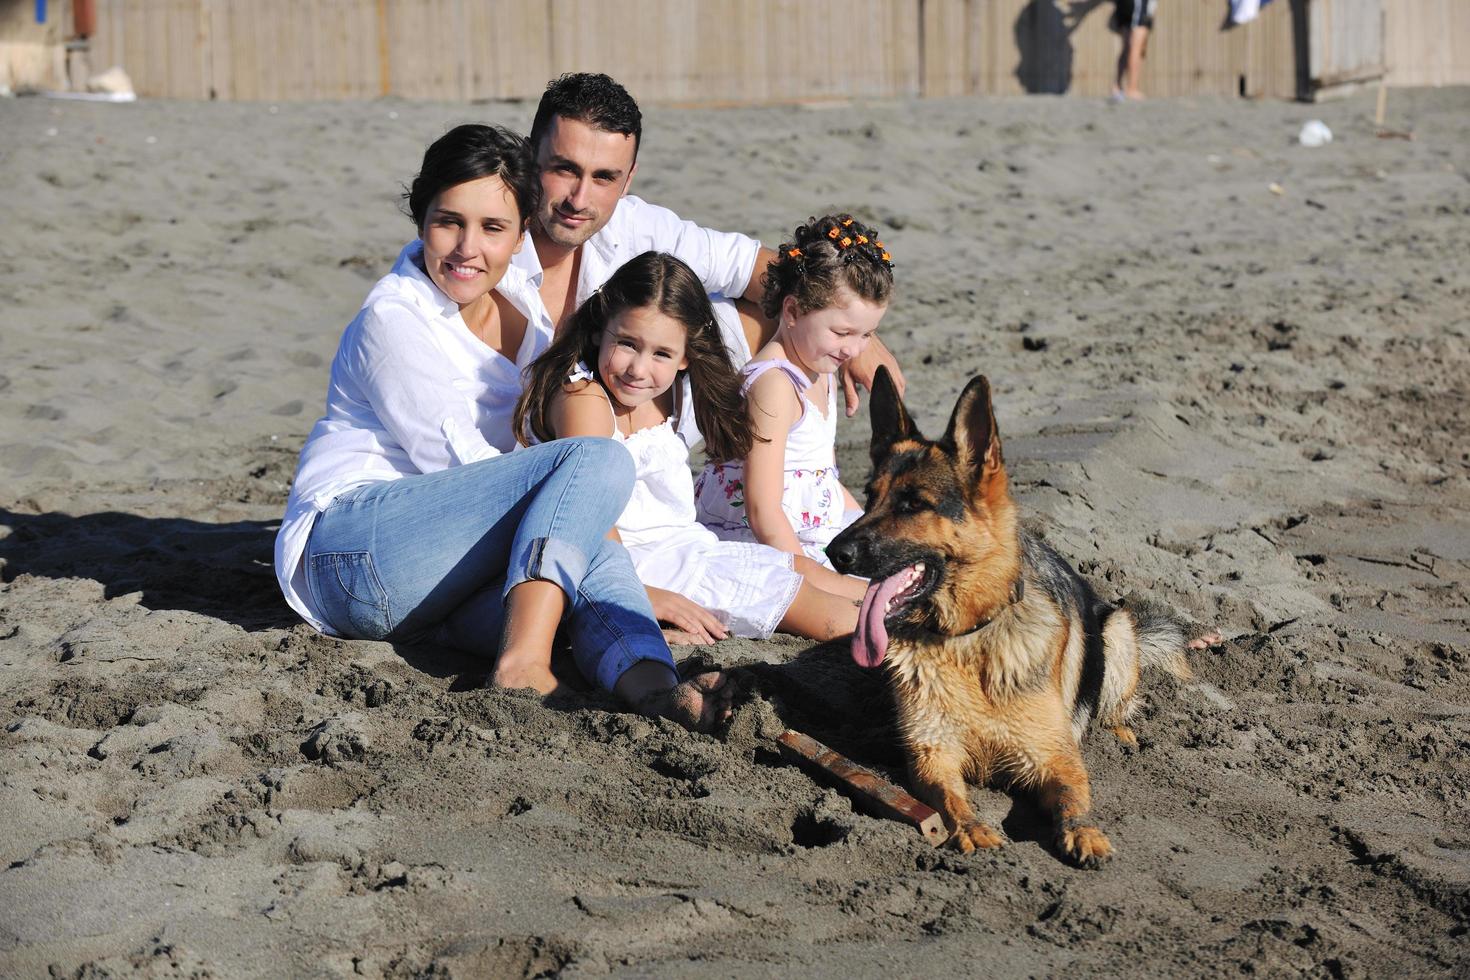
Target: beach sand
<point x="1248" y="404"/>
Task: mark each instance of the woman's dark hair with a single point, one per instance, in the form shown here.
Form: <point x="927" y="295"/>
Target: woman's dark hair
<point x="470" y="152"/>
<point x="824" y="255"/>
<point x="658" y="281"/>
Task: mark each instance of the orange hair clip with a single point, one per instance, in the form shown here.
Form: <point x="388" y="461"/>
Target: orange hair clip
<point x="845" y="241"/>
<point x="833" y="233"/>
<point x="862" y="240"/>
<point x="887" y="257"/>
<point x="847" y="222"/>
<point x="795" y="253"/>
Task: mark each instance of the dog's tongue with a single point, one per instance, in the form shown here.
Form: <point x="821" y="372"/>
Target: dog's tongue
<point x="870" y="641"/>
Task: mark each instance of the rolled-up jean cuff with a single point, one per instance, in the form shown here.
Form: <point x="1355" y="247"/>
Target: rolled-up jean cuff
<point x="617" y="660"/>
<point x="549" y="560"/>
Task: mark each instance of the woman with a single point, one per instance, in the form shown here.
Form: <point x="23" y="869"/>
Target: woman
<point x="410" y="520"/>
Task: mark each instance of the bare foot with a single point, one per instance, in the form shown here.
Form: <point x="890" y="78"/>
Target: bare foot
<point x="511" y="674"/>
<point x="1206" y="641"/>
<point x="702" y="703"/>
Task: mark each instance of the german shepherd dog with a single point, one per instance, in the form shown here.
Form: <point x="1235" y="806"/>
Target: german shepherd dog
<point x="998" y="653"/>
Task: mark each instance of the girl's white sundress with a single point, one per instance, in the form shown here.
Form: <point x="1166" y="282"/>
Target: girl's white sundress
<point x="811" y="494"/>
<point x="747" y="586"/>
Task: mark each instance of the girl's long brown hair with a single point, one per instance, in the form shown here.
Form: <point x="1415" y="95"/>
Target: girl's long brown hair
<point x="664" y="283"/>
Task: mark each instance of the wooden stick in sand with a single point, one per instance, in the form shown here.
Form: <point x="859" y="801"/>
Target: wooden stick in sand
<point x="871" y="791"/>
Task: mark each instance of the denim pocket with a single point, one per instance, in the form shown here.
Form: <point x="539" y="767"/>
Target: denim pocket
<point x="345" y="585"/>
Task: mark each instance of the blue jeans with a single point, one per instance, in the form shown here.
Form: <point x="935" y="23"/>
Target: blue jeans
<point x="430" y="558"/>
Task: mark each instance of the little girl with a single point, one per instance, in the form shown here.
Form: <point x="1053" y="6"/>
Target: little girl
<point x="613" y="373"/>
<point x="827" y="290"/>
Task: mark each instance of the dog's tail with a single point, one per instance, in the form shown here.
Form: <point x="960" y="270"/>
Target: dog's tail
<point x="1162" y="637"/>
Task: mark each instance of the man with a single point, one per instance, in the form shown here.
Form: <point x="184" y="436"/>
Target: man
<point x="585" y="136"/>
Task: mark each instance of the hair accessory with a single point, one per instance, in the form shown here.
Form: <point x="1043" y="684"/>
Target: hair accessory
<point x="887" y="258"/>
<point x="846" y="242"/>
<point x="847" y="223"/>
<point x="833" y="233"/>
<point x="862" y="239"/>
<point x="794" y="253"/>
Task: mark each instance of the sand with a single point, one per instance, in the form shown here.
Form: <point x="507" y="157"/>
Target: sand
<point x="1248" y="404"/>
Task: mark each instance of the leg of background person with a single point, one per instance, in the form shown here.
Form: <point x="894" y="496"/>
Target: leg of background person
<point x="1135" y="45"/>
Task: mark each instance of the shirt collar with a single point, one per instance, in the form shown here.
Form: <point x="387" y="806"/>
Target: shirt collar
<point x="416" y="282"/>
<point x="604" y="243"/>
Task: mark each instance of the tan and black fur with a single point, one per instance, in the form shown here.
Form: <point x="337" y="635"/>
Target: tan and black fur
<point x="1000" y="655"/>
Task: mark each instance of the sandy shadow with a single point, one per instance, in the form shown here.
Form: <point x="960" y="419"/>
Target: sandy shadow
<point x="219" y="570"/>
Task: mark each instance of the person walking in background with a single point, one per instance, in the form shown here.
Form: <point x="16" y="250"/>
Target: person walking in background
<point x="1132" y="19"/>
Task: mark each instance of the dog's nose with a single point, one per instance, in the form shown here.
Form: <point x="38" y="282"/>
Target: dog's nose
<point x="843" y="552"/>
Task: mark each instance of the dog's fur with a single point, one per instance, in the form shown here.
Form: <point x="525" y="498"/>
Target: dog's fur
<point x="1001" y="654"/>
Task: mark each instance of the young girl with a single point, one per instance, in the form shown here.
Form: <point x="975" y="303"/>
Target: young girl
<point x="827" y="290"/>
<point x="613" y="373"/>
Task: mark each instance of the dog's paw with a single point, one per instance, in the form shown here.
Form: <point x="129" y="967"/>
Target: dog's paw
<point x="1087" y="847"/>
<point x="975" y="834"/>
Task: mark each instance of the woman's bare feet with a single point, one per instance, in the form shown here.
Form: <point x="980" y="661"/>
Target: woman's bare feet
<point x="702" y="703"/>
<point x="513" y="672"/>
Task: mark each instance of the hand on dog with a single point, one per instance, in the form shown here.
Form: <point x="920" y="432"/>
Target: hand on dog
<point x="860" y="371"/>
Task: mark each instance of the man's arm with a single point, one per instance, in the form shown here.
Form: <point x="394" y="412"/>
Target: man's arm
<point x="756" y="287"/>
<point x="859" y="372"/>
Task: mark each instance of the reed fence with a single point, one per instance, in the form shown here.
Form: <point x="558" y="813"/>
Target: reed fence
<point x="715" y="51"/>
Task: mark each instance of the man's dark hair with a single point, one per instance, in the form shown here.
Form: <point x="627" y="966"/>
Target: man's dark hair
<point x="470" y="152"/>
<point x="588" y="98"/>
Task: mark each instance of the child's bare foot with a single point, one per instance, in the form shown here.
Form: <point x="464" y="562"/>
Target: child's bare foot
<point x="1205" y="641"/>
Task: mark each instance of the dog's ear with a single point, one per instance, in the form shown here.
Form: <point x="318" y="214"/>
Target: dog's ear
<point x="891" y="421"/>
<point x="972" y="431"/>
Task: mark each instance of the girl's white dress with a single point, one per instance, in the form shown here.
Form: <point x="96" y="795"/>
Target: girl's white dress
<point x="811" y="494"/>
<point x="747" y="586"/>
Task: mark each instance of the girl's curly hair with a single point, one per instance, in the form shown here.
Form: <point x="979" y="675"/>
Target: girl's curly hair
<point x="824" y="255"/>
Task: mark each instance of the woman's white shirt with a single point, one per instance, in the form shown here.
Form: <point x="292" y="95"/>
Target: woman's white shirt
<point x="412" y="391"/>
